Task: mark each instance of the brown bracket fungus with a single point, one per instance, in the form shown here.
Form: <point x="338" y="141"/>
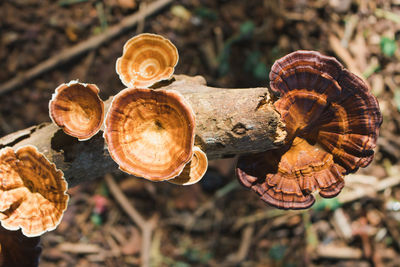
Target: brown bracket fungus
<point x="194" y="170"/>
<point x="146" y="59"/>
<point x="150" y="133"/>
<point x="77" y="109"/>
<point x="17" y="250"/>
<point x="332" y="121"/>
<point x="32" y="191"/>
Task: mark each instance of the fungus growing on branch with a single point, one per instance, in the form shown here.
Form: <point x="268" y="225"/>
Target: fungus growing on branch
<point x="150" y="133"/>
<point x="77" y="109"/>
<point x="32" y="192"/>
<point x="194" y="170"/>
<point x="332" y="123"/>
<point x="146" y="59"/>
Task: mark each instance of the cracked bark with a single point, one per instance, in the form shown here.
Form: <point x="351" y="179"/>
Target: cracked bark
<point x="228" y="122"/>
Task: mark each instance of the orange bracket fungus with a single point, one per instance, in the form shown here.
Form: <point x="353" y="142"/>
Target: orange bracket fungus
<point x="32" y="191"/>
<point x="17" y="250"/>
<point x="150" y="133"/>
<point x="146" y="59"/>
<point x="77" y="109"/>
<point x="194" y="170"/>
<point x="332" y="123"/>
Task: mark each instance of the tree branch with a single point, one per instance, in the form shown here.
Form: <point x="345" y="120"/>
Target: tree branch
<point x="228" y="122"/>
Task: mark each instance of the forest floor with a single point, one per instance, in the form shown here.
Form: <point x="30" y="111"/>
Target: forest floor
<point x="232" y="44"/>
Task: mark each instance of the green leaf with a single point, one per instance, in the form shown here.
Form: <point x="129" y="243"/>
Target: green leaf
<point x="255" y="66"/>
<point x="181" y="264"/>
<point x="70" y="2"/>
<point x="397" y="98"/>
<point x="195" y="255"/>
<point x="277" y="252"/>
<point x="252" y="60"/>
<point x="246" y="29"/>
<point x="388" y="46"/>
<point x="260" y="72"/>
<point x="223" y="68"/>
<point x="223" y="59"/>
<point x="326" y="204"/>
<point x="96" y="219"/>
<point x="206" y="13"/>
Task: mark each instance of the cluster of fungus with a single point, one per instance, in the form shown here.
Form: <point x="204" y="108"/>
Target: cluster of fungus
<point x="150" y="132"/>
<point x="32" y="201"/>
<point x="332" y="123"/>
<point x="32" y="191"/>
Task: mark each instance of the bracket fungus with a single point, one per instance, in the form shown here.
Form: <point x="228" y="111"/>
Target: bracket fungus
<point x="32" y="191"/>
<point x="77" y="109"/>
<point x="147" y="58"/>
<point x="332" y="123"/>
<point x="194" y="170"/>
<point x="150" y="133"/>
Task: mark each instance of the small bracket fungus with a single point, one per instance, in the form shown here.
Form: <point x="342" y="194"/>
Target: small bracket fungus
<point x="332" y="122"/>
<point x="146" y="59"/>
<point x="194" y="170"/>
<point x="17" y="250"/>
<point x="150" y="133"/>
<point x="77" y="109"/>
<point x="32" y="191"/>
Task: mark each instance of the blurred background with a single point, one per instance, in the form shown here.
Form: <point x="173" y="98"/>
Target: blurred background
<point x="232" y="44"/>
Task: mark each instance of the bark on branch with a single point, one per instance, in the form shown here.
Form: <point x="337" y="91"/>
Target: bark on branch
<point x="228" y="122"/>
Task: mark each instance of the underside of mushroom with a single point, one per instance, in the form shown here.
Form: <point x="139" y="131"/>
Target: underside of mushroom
<point x="32" y="191"/>
<point x="332" y="121"/>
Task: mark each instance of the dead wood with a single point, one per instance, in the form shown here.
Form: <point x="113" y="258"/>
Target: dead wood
<point x="228" y="122"/>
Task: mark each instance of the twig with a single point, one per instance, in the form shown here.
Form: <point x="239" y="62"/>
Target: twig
<point x="79" y="248"/>
<point x="350" y="26"/>
<point x="90" y="44"/>
<point x="146" y="226"/>
<point x="140" y="25"/>
<point x="381" y="13"/>
<point x="343" y="198"/>
<point x="358" y="193"/>
<point x="210" y="203"/>
<point x="241" y="254"/>
<point x="344" y="54"/>
<point x="156" y="256"/>
<point x="262" y="215"/>
<point x="124" y="202"/>
<point x="342" y="224"/>
<point x="147" y="233"/>
<point x="338" y="252"/>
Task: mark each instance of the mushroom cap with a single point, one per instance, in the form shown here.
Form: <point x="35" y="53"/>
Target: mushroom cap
<point x="150" y="133"/>
<point x="147" y="58"/>
<point x="194" y="170"/>
<point x="327" y="104"/>
<point x="32" y="191"/>
<point x="336" y="116"/>
<point x="17" y="250"/>
<point x="77" y="109"/>
<point x="285" y="178"/>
